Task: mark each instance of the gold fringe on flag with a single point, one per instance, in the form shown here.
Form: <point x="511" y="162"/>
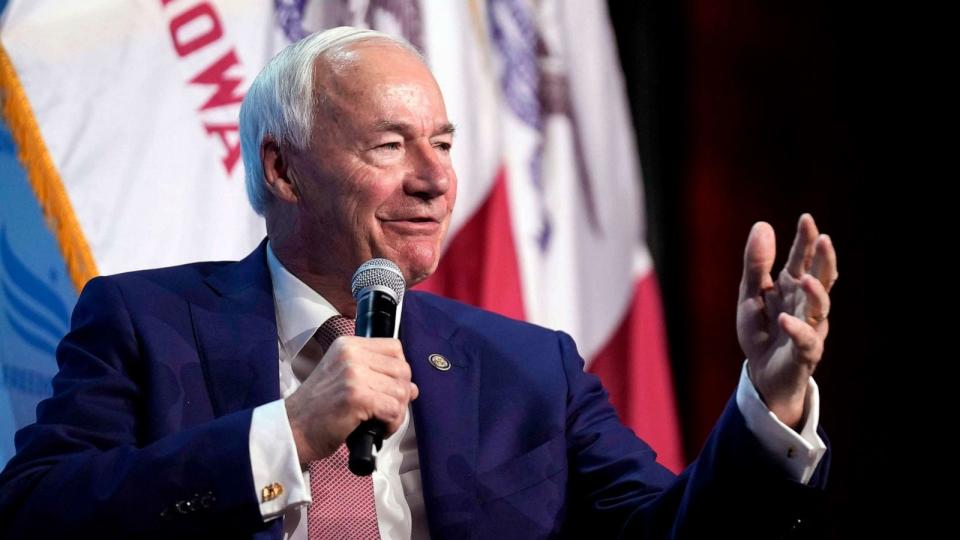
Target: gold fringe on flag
<point x="43" y="176"/>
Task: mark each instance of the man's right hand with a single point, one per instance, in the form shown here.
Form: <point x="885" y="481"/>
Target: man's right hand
<point x="358" y="379"/>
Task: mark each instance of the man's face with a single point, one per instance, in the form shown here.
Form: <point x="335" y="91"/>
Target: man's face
<point x="377" y="179"/>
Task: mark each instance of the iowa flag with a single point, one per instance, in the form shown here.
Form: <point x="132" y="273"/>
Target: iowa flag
<point x="123" y="114"/>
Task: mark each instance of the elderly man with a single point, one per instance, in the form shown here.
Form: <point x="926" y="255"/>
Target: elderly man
<point x="213" y="399"/>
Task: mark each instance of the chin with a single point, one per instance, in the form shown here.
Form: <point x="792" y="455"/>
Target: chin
<point x="419" y="265"/>
<point x="416" y="273"/>
<point x="413" y="278"/>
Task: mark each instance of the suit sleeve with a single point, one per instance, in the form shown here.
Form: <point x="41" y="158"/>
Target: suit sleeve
<point x="80" y="471"/>
<point x="618" y="490"/>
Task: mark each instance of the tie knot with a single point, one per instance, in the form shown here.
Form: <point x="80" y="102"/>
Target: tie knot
<point x="334" y="327"/>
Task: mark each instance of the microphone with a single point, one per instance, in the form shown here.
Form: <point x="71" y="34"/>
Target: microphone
<point x="378" y="287"/>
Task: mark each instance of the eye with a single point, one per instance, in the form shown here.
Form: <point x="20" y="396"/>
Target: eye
<point x="395" y="145"/>
<point x="443" y="146"/>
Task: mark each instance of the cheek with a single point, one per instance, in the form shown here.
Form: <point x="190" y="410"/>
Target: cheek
<point x="363" y="193"/>
<point x="365" y="207"/>
<point x="451" y="194"/>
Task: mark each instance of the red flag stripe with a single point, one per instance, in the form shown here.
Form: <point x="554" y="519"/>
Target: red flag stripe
<point x="635" y="370"/>
<point x="480" y="264"/>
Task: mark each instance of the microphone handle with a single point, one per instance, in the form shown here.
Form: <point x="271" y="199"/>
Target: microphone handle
<point x="360" y="443"/>
<point x="376" y="312"/>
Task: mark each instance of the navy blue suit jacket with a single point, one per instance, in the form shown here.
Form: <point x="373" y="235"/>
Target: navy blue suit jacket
<point x="147" y="432"/>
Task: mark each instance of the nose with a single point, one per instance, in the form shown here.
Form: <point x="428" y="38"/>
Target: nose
<point x="430" y="175"/>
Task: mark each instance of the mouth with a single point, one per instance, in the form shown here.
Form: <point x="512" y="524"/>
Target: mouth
<point x="417" y="225"/>
<point x="412" y="219"/>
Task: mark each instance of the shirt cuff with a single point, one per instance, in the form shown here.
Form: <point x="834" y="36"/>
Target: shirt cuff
<point x="277" y="478"/>
<point x="799" y="453"/>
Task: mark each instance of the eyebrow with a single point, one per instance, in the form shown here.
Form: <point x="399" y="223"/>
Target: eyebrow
<point x="446" y="128"/>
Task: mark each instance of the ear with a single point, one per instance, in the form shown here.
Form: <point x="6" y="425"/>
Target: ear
<point x="277" y="171"/>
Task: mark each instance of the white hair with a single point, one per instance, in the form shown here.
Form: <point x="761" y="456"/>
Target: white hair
<point x="281" y="100"/>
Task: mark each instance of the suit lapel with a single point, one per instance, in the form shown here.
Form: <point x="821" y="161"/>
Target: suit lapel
<point x="446" y="417"/>
<point x="236" y="333"/>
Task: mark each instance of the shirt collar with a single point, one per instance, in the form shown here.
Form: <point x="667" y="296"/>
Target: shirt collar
<point x="300" y="309"/>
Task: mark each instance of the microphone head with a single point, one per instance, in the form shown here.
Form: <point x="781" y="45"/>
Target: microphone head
<point x="381" y="273"/>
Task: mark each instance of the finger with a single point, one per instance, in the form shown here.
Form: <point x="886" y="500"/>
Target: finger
<point x="824" y="266"/>
<point x="382" y="384"/>
<point x="758" y="257"/>
<point x="802" y="250"/>
<point x="396" y="368"/>
<point x="389" y="411"/>
<point x="381" y="357"/>
<point x="803" y="336"/>
<point x="817" y="301"/>
<point x="365" y="403"/>
<point x="387" y="346"/>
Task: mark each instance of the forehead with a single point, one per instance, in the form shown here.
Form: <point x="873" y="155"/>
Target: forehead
<point x="370" y="75"/>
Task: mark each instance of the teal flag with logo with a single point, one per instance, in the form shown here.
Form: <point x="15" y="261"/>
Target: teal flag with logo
<point x="36" y="298"/>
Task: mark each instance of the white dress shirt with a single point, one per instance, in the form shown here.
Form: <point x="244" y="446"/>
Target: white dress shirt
<point x="396" y="482"/>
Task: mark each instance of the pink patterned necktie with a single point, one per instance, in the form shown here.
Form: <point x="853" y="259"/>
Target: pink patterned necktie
<point x="343" y="505"/>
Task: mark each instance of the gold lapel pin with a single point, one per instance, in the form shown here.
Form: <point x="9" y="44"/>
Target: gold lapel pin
<point x="439" y="362"/>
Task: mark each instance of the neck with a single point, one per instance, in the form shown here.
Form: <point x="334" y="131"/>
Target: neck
<point x="330" y="283"/>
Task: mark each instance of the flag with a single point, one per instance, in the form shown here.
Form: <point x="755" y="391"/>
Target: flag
<point x="35" y="299"/>
<point x="134" y="155"/>
<point x="553" y="230"/>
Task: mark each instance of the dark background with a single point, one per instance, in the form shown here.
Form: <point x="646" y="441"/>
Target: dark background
<point x="748" y="110"/>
